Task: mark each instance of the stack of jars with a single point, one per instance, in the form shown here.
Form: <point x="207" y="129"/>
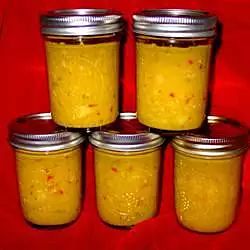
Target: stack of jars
<point x="173" y="57"/>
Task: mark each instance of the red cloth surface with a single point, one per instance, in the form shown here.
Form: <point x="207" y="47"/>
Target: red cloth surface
<point x="24" y="90"/>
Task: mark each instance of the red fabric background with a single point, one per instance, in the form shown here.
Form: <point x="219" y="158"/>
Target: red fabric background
<point x="24" y="90"/>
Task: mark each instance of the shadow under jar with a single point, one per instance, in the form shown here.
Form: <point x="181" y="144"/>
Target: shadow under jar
<point x="127" y="172"/>
<point x="82" y="51"/>
<point x="208" y="170"/>
<point x="49" y="170"/>
<point x="173" y="52"/>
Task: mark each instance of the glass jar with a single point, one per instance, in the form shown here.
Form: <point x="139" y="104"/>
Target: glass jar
<point x="127" y="172"/>
<point x="173" y="51"/>
<point x="82" y="48"/>
<point x="208" y="170"/>
<point x="48" y="162"/>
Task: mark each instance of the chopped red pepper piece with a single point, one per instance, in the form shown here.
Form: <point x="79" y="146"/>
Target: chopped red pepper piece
<point x="92" y="105"/>
<point x="50" y="177"/>
<point x="114" y="169"/>
<point x="60" y="191"/>
<point x="190" y="61"/>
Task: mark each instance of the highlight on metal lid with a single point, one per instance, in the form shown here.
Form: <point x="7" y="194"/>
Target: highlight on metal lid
<point x="89" y="22"/>
<point x="126" y="134"/>
<point x="219" y="136"/>
<point x="38" y="132"/>
<point x="176" y="23"/>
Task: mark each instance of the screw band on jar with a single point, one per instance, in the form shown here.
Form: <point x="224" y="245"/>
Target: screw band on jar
<point x="220" y="137"/>
<point x="37" y="132"/>
<point x="87" y="22"/>
<point x="177" y="23"/>
<point x="128" y="142"/>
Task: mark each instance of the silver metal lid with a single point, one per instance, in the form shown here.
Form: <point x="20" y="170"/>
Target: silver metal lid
<point x="126" y="134"/>
<point x="179" y="23"/>
<point x="38" y="132"/>
<point x="219" y="136"/>
<point x="70" y="22"/>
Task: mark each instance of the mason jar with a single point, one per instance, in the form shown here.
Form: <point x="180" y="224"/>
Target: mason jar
<point x="173" y="56"/>
<point x="127" y="172"/>
<point x="48" y="163"/>
<point x="82" y="51"/>
<point x="208" y="170"/>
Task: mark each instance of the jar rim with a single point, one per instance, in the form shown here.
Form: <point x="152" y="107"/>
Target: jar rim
<point x="38" y="132"/>
<point x="219" y="136"/>
<point x="74" y="22"/>
<point x="126" y="141"/>
<point x="175" y="23"/>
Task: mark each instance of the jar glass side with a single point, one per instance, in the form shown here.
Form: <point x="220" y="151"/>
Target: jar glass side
<point x="83" y="75"/>
<point x="172" y="81"/>
<point x="207" y="190"/>
<point x="127" y="185"/>
<point x="50" y="185"/>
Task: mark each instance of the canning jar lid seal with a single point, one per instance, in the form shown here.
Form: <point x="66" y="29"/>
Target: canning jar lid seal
<point x="219" y="136"/>
<point x="38" y="132"/>
<point x="129" y="136"/>
<point x="89" y="22"/>
<point x="175" y="23"/>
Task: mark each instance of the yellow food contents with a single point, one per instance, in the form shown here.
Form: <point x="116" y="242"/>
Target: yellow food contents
<point x="206" y="191"/>
<point x="83" y="80"/>
<point x="50" y="186"/>
<point x="172" y="85"/>
<point x="127" y="186"/>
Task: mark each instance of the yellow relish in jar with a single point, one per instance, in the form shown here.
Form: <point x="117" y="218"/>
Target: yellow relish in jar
<point x="48" y="163"/>
<point x="208" y="170"/>
<point x="173" y="52"/>
<point x="82" y="51"/>
<point x="127" y="172"/>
